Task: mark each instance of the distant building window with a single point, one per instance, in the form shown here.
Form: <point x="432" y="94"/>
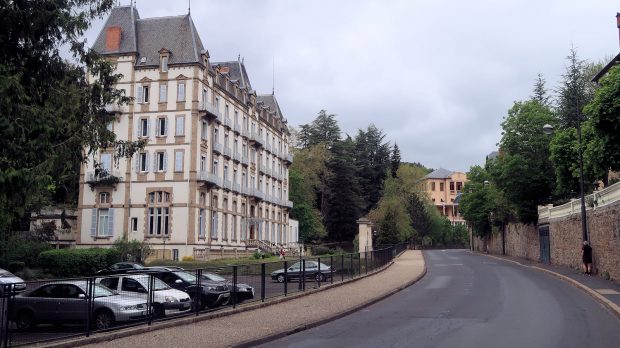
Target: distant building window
<point x="441" y="186"/>
<point x="143" y="94"/>
<point x="104" y="198"/>
<point x="104" y="227"/>
<point x="451" y="185"/>
<point x="204" y="131"/>
<point x="163" y="93"/>
<point x="180" y="126"/>
<point x="158" y="213"/>
<point x="175" y="254"/>
<point x="134" y="224"/>
<point x="181" y="92"/>
<point x="161" y="161"/>
<point x="143" y="162"/>
<point x="164" y="64"/>
<point x="144" y="127"/>
<point x="433" y="186"/>
<point x="459" y="186"/>
<point x="178" y="161"/>
<point x="162" y="126"/>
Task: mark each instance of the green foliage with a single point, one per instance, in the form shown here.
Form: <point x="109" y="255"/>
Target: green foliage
<point x="77" y="262"/>
<point x="604" y="111"/>
<point x="133" y="250"/>
<point x="392" y="220"/>
<point x="323" y="130"/>
<point x="25" y="247"/>
<point x="372" y="160"/>
<point x="395" y="160"/>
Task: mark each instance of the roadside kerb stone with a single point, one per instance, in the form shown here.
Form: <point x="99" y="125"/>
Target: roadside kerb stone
<point x="220" y="320"/>
<point x="612" y="307"/>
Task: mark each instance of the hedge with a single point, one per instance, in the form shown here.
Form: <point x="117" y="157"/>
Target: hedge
<point x="77" y="262"/>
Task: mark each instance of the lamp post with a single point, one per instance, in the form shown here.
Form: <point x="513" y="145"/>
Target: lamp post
<point x="548" y="129"/>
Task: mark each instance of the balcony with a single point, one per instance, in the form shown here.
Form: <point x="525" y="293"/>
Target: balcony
<point x="228" y="185"/>
<point x="114" y="109"/>
<point x="236" y="188"/>
<point x="211" y="111"/>
<point x="236" y="156"/>
<point x="227" y="122"/>
<point x="244" y="132"/>
<point x="209" y="178"/>
<point x="288" y="158"/>
<point x="237" y="128"/>
<point x="217" y="147"/>
<point x="103" y="178"/>
<point x="227" y="152"/>
<point x="289" y="204"/>
<point x="244" y="160"/>
<point x="258" y="194"/>
<point x="257" y="139"/>
<point x="268" y="147"/>
<point x="275" y="151"/>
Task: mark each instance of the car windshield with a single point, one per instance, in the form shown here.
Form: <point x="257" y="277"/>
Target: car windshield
<point x="157" y="283"/>
<point x="214" y="277"/>
<point x="190" y="278"/>
<point x="102" y="291"/>
<point x="6" y="274"/>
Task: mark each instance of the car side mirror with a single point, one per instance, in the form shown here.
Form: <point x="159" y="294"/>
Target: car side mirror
<point x="81" y="296"/>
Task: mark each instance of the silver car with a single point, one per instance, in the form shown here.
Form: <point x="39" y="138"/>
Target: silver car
<point x="166" y="300"/>
<point x="10" y="283"/>
<point x="67" y="302"/>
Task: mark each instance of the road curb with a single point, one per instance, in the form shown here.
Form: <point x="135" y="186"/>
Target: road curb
<point x="143" y="328"/>
<point x="612" y="307"/>
<point x="278" y="335"/>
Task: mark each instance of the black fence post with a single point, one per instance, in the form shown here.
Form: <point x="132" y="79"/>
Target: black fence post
<point x="372" y="261"/>
<point x="303" y="274"/>
<point x="319" y="275"/>
<point x="366" y="261"/>
<point x="149" y="301"/>
<point x="234" y="288"/>
<point x="351" y="270"/>
<point x="342" y="267"/>
<point x="331" y="269"/>
<point x="285" y="278"/>
<point x="198" y="297"/>
<point x="7" y="295"/>
<point x="262" y="282"/>
<point x="359" y="264"/>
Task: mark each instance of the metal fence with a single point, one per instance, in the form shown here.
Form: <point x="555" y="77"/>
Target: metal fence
<point x="63" y="308"/>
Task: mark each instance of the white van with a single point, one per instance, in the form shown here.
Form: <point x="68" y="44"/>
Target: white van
<point x="166" y="300"/>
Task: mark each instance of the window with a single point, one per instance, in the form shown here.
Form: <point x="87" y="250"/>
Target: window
<point x="451" y="185"/>
<point x="161" y="161"/>
<point x="225" y="227"/>
<point x="158" y="213"/>
<point x="178" y="161"/>
<point x="143" y="94"/>
<point x="132" y="285"/>
<point x="142" y="164"/>
<point x="225" y="173"/>
<point x="144" y="129"/>
<point x="204" y="131"/>
<point x="214" y="224"/>
<point x="204" y="97"/>
<point x="104" y="227"/>
<point x="441" y="186"/>
<point x="201" y="223"/>
<point x="214" y="168"/>
<point x="180" y="126"/>
<point x="226" y="110"/>
<point x="433" y="186"/>
<point x="215" y="135"/>
<point x="164" y="64"/>
<point x="175" y="254"/>
<point x="106" y="162"/>
<point x="163" y="93"/>
<point x="181" y="92"/>
<point x="134" y="224"/>
<point x="104" y="198"/>
<point x="459" y="186"/>
<point x="110" y="126"/>
<point x="162" y="126"/>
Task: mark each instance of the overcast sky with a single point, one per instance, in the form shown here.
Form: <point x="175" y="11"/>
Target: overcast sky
<point x="436" y="76"/>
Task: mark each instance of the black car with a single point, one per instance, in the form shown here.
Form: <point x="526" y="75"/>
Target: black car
<point x="244" y="291"/>
<point x="312" y="271"/>
<point x="121" y="267"/>
<point x="209" y="294"/>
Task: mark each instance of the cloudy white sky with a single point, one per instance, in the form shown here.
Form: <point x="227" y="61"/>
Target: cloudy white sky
<point x="436" y="76"/>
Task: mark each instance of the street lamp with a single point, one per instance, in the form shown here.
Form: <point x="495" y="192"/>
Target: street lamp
<point x="548" y="129"/>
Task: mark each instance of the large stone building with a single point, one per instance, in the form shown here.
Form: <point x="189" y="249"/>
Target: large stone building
<point x="213" y="177"/>
<point x="443" y="188"/>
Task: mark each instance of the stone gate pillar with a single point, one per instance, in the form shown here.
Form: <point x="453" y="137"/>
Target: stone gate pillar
<point x="364" y="235"/>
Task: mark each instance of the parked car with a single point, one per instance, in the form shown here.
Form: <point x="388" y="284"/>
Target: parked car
<point x="10" y="282"/>
<point x="66" y="302"/>
<point x="244" y="291"/>
<point x="311" y="272"/>
<point x="120" y="268"/>
<point x="166" y="300"/>
<point x="209" y="294"/>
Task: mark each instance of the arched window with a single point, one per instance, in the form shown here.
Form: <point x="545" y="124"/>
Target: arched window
<point x="158" y="213"/>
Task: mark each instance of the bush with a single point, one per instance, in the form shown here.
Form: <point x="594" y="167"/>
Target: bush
<point x="16" y="266"/>
<point x="77" y="262"/>
<point x="22" y="249"/>
<point x="188" y="258"/>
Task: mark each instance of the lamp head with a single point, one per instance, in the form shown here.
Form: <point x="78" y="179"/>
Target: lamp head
<point x="548" y="129"/>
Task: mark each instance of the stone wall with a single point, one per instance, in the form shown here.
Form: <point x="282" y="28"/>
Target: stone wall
<point x="604" y="233"/>
<point x="521" y="241"/>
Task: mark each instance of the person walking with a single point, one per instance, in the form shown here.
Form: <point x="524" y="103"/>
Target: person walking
<point x="587" y="257"/>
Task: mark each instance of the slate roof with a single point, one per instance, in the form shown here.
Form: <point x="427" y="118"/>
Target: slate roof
<point x="440" y="173"/>
<point x="148" y="36"/>
<point x="269" y="100"/>
<point x="236" y="71"/>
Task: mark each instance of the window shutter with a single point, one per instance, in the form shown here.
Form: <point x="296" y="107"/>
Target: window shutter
<point x="146" y="158"/>
<point x="202" y="223"/>
<point x="166" y="126"/>
<point x="162" y="93"/>
<point x="157" y="127"/>
<point x="217" y="215"/>
<point x="154" y="162"/>
<point x="139" y="94"/>
<point x="139" y="129"/>
<point x="93" y="225"/>
<point x="148" y="127"/>
<point x="111" y="222"/>
<point x="260" y="231"/>
<point x="137" y="163"/>
<point x="165" y="161"/>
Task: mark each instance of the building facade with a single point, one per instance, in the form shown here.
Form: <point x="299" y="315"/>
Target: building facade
<point x="443" y="188"/>
<point x="214" y="172"/>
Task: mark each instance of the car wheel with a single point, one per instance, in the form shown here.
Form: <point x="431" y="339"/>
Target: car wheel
<point x="158" y="310"/>
<point x="280" y="278"/>
<point x="203" y="303"/>
<point x="103" y="319"/>
<point x="319" y="277"/>
<point x="25" y="320"/>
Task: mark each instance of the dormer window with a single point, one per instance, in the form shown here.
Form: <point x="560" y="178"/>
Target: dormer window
<point x="164" y="57"/>
<point x="164" y="64"/>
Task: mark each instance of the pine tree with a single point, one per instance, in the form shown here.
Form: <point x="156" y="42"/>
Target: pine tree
<point x="395" y="160"/>
<point x="372" y="160"/>
<point x="540" y="91"/>
<point x="420" y="219"/>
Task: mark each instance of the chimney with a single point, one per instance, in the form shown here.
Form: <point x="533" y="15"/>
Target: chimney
<point x="113" y="38"/>
<point x="618" y="25"/>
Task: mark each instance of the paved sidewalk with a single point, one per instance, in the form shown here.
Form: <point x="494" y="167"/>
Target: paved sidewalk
<point x="605" y="291"/>
<point x="269" y="322"/>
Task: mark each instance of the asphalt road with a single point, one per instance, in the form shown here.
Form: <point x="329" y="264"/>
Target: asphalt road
<point x="468" y="300"/>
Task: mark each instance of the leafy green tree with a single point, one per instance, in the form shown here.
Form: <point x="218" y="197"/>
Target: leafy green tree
<point x="420" y="216"/>
<point x="372" y="160"/>
<point x="302" y="195"/>
<point x="604" y="111"/>
<point x="49" y="110"/>
<point x="395" y="160"/>
<point x="343" y="202"/>
<point x="541" y="94"/>
<point x="323" y="130"/>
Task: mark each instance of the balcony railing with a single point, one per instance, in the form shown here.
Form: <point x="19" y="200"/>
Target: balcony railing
<point x="236" y="156"/>
<point x="217" y="147"/>
<point x="228" y="185"/>
<point x="114" y="108"/>
<point x="227" y="152"/>
<point x="210" y="178"/>
<point x="268" y="146"/>
<point x="245" y="160"/>
<point x="237" y="128"/>
<point x="103" y="178"/>
<point x="236" y="188"/>
<point x="288" y="158"/>
<point x="289" y="204"/>
<point x="244" y="132"/>
<point x="257" y="138"/>
<point x="227" y="122"/>
<point x="211" y="110"/>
